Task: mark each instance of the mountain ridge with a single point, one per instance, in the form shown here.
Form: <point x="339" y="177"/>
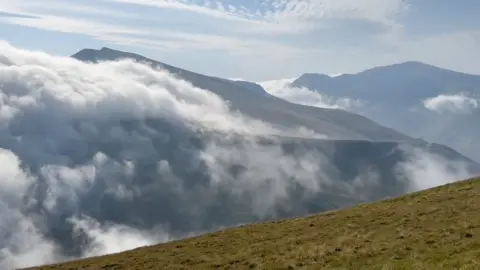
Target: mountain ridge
<point x="331" y="122"/>
<point x="417" y="99"/>
<point x="398" y="65"/>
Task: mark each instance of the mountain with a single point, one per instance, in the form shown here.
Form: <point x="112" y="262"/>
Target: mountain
<point x="405" y="83"/>
<point x="354" y="148"/>
<point x="418" y="99"/>
<point x="335" y="124"/>
<point x="433" y="229"/>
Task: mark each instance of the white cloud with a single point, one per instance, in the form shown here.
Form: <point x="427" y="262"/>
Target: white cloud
<point x="73" y="25"/>
<point x="270" y="17"/>
<point x="217" y="10"/>
<point x="52" y="16"/>
<point x="113" y="238"/>
<point x="276" y="179"/>
<point x="109" y="96"/>
<point x="21" y="242"/>
<point x="458" y="103"/>
<point x="73" y="105"/>
<point x="256" y="35"/>
<point x="300" y="95"/>
<point x="423" y="170"/>
<point x="288" y="16"/>
<point x="276" y="84"/>
<point x="25" y="245"/>
<point x="58" y="17"/>
<point x="56" y="7"/>
<point x="13" y="180"/>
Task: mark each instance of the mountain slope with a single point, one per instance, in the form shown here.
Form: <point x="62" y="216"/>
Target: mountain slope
<point x="398" y="84"/>
<point x="420" y="100"/>
<point x="335" y="124"/>
<point x="434" y="229"/>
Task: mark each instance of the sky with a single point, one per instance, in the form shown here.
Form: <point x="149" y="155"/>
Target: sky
<point x="256" y="40"/>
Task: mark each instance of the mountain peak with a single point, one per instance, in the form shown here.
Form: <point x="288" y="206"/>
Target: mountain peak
<point x="106" y="49"/>
<point x="407" y="66"/>
<point x="415" y="64"/>
<point x="316" y="76"/>
<point x="412" y="63"/>
<point x="105" y="53"/>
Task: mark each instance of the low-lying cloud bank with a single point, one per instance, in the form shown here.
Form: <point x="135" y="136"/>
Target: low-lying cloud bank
<point x="100" y="158"/>
<point x="459" y="103"/>
<point x="304" y="96"/>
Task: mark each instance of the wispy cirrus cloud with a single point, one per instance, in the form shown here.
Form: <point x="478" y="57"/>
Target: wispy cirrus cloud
<point x="266" y="17"/>
<point x="61" y="17"/>
<point x="287" y="16"/>
<point x="295" y="36"/>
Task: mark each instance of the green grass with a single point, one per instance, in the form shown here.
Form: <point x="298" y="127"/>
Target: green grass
<point x="434" y="229"/>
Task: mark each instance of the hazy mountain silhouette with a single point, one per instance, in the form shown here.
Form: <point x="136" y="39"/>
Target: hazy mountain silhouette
<point x="395" y="95"/>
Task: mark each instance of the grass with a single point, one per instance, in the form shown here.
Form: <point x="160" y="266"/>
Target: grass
<point x="433" y="229"/>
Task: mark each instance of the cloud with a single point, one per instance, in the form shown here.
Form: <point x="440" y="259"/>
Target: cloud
<point x="21" y="242"/>
<point x="276" y="84"/>
<point x="105" y="99"/>
<point x="301" y="95"/>
<point x="70" y="147"/>
<point x="14" y="180"/>
<point x="100" y="158"/>
<point x="254" y="34"/>
<point x="277" y="178"/>
<point x="77" y="19"/>
<point x="113" y="238"/>
<point x="113" y="24"/>
<point x="217" y="10"/>
<point x="423" y="170"/>
<point x="290" y="16"/>
<point x="241" y="28"/>
<point x="458" y="103"/>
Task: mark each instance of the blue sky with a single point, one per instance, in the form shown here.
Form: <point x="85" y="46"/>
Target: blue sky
<point x="255" y="39"/>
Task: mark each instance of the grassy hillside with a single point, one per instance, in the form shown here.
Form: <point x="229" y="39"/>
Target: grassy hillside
<point x="434" y="229"/>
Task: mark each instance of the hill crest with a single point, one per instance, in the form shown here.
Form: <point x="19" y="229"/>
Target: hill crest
<point x="407" y="66"/>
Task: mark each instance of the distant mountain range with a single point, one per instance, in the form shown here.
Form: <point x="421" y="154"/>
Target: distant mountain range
<point x="251" y="99"/>
<point x="418" y="99"/>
